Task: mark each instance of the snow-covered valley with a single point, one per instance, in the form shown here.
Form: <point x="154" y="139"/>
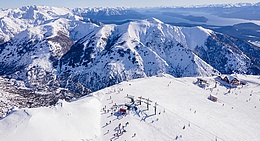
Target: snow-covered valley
<point x="183" y="112"/>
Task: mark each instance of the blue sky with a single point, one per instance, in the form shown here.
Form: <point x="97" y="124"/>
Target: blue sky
<point x="113" y="3"/>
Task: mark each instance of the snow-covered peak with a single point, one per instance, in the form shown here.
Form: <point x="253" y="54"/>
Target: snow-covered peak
<point x="45" y="31"/>
<point x="105" y="11"/>
<point x="154" y="20"/>
<point x="190" y="37"/>
<point x="195" y="36"/>
<point x="32" y="11"/>
<point x="16" y="20"/>
<point x="230" y="5"/>
<point x="79" y="50"/>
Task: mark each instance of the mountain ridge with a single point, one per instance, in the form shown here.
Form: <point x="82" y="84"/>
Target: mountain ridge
<point x="64" y="50"/>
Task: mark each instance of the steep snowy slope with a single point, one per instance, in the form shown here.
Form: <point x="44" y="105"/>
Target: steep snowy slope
<point x="132" y="50"/>
<point x="52" y="48"/>
<point x="49" y="53"/>
<point x="111" y="54"/>
<point x="230" y="54"/>
<point x="114" y="53"/>
<point x="14" y="21"/>
<point x="28" y="55"/>
<point x="183" y="113"/>
<point x="31" y="57"/>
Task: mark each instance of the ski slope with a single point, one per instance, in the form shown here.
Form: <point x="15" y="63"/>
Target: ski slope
<point x="183" y="113"/>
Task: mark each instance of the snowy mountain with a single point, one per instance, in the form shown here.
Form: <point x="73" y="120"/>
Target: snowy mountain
<point x="204" y="15"/>
<point x="13" y="21"/>
<point x="112" y="54"/>
<point x="208" y="16"/>
<point x="108" y="14"/>
<point x="183" y="112"/>
<point x="49" y="48"/>
<point x="64" y="47"/>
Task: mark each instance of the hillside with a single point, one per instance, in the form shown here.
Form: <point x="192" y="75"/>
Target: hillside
<point x="99" y="74"/>
<point x="60" y="53"/>
<point x="183" y="113"/>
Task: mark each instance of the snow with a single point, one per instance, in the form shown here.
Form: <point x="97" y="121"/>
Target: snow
<point x="65" y="121"/>
<point x="189" y="115"/>
<point x="14" y="21"/>
<point x="185" y="113"/>
<point x="41" y="61"/>
<point x="256" y="43"/>
<point x="195" y="36"/>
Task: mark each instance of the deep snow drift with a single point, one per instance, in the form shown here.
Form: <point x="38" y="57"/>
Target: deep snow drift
<point x="183" y="113"/>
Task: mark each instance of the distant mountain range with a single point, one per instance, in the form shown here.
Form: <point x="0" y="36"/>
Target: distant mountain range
<point x="49" y="48"/>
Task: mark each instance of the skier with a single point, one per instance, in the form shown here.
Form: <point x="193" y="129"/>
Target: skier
<point x="176" y="137"/>
<point x="134" y="135"/>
